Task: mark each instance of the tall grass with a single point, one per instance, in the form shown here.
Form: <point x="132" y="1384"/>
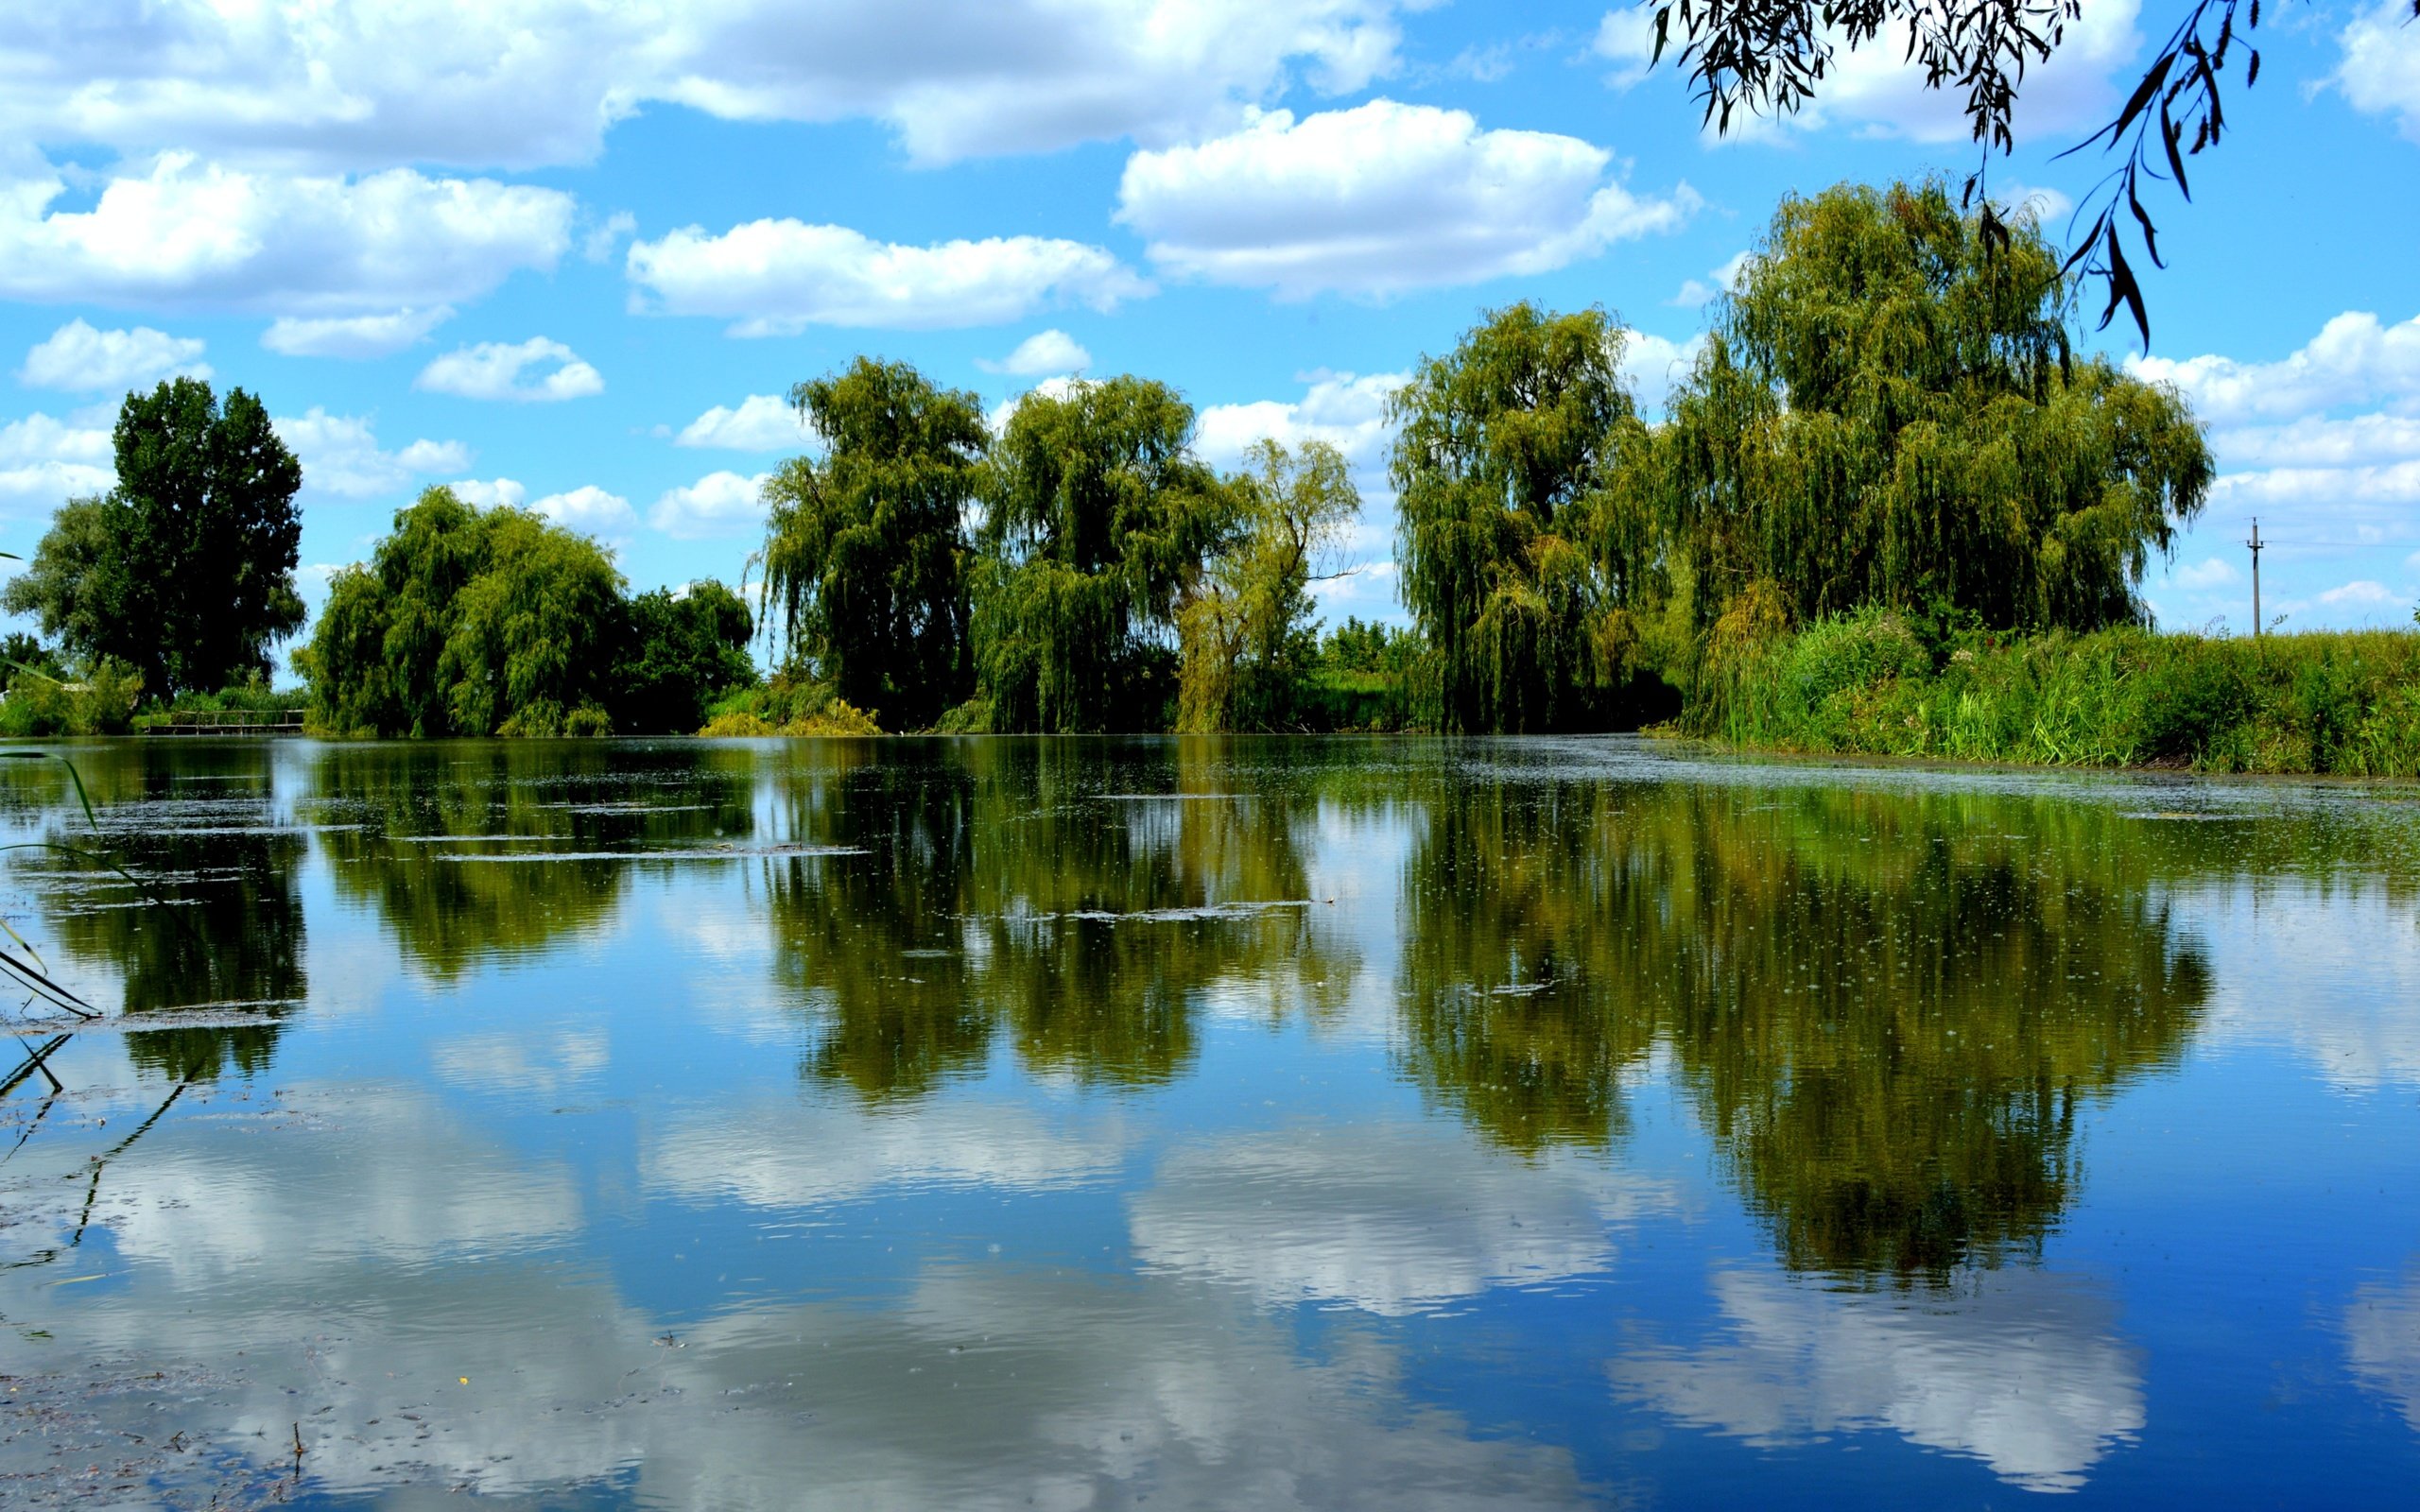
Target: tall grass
<point x="1871" y="682"/>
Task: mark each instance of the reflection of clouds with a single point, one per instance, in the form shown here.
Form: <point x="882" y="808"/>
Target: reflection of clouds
<point x="521" y="1061"/>
<point x="391" y="1179"/>
<point x="1392" y="1222"/>
<point x="2382" y="1337"/>
<point x="2022" y="1372"/>
<point x="788" y="1154"/>
<point x="2332" y="970"/>
<point x="355" y="1296"/>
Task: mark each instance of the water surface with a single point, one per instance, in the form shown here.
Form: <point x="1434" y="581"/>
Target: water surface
<point x="1253" y="1124"/>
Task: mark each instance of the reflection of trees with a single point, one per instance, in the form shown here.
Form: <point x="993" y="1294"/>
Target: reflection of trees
<point x="580" y="798"/>
<point x="1078" y="896"/>
<point x="1885" y="1007"/>
<point x="232" y="935"/>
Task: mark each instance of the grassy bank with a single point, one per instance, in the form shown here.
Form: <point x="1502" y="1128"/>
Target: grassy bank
<point x="1874" y="682"/>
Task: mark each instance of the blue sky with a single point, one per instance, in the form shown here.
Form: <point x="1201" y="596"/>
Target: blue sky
<point x="571" y="253"/>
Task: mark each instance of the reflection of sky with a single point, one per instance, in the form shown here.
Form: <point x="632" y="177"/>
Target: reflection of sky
<point x="2020" y="1370"/>
<point x="1275" y="1281"/>
<point x="2330" y="970"/>
<point x="1390" y="1220"/>
<point x="2382" y="1339"/>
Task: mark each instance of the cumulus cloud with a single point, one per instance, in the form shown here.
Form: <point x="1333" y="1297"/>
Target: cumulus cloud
<point x="340" y="454"/>
<point x="2213" y="572"/>
<point x="489" y="493"/>
<point x="2382" y="1341"/>
<point x="778" y="277"/>
<point x="1348" y="412"/>
<point x="762" y="423"/>
<point x="720" y="503"/>
<point x="2360" y="593"/>
<point x="1724" y="280"/>
<point x="2381" y="73"/>
<point x="591" y="510"/>
<point x="1653" y="365"/>
<point x="1381" y="198"/>
<point x="45" y="461"/>
<point x="2355" y="359"/>
<point x="188" y="235"/>
<point x="526" y="83"/>
<point x="494" y="370"/>
<point x="1045" y="352"/>
<point x="354" y="336"/>
<point x="1626" y="39"/>
<point x="80" y="359"/>
<point x="2023" y="1373"/>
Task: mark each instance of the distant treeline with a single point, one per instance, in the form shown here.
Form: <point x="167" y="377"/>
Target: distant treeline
<point x="1888" y="438"/>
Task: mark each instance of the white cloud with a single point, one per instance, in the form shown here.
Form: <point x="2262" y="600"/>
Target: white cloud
<point x="1878" y="91"/>
<point x="2213" y="571"/>
<point x="1045" y="352"/>
<point x="763" y="423"/>
<point x="1653" y="365"/>
<point x="488" y="493"/>
<point x="525" y="83"/>
<point x="2321" y="441"/>
<point x="2360" y="593"/>
<point x="1058" y="388"/>
<point x="1626" y="39"/>
<point x="778" y="277"/>
<point x="1348" y="412"/>
<point x="340" y="454"/>
<point x="601" y="239"/>
<point x="720" y="503"/>
<point x="1723" y="279"/>
<point x="2381" y="73"/>
<point x="591" y="510"/>
<point x="2355" y="359"/>
<point x="80" y="359"/>
<point x="493" y="370"/>
<point x="188" y="235"/>
<point x="44" y="462"/>
<point x="2018" y="1370"/>
<point x="1381" y="198"/>
<point x="353" y="337"/>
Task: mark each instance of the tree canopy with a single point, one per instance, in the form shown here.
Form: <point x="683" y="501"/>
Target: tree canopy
<point x="1889" y="411"/>
<point x="865" y="547"/>
<point x="468" y="622"/>
<point x="1245" y="637"/>
<point x="1098" y="519"/>
<point x="1500" y="470"/>
<point x="185" y="570"/>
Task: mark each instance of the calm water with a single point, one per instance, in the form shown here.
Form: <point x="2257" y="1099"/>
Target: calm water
<point x="1321" y="1124"/>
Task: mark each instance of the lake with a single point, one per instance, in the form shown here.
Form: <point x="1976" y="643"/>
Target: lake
<point x="1062" y="1123"/>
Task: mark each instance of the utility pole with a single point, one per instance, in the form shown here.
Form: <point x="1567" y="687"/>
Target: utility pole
<point x="2255" y="544"/>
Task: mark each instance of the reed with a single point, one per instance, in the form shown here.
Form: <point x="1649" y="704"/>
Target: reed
<point x="1879" y="682"/>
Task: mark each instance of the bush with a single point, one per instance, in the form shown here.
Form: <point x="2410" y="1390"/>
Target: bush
<point x="102" y="703"/>
<point x="787" y="705"/>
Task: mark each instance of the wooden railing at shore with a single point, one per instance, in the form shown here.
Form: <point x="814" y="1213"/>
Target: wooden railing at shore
<point x="228" y="722"/>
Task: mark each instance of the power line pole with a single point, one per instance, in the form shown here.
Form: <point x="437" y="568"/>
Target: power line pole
<point x="2255" y="544"/>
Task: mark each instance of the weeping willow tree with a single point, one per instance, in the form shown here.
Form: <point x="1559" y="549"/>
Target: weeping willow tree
<point x="1244" y="642"/>
<point x="469" y="623"/>
<point x="1096" y="523"/>
<point x="865" y="548"/>
<point x="1889" y="410"/>
<point x="1513" y="564"/>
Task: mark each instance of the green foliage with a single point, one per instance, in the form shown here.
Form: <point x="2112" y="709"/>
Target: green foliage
<point x="101" y="702"/>
<point x="185" y="571"/>
<point x="1887" y="411"/>
<point x="680" y="652"/>
<point x="865" y="550"/>
<point x="1243" y="640"/>
<point x="1511" y="552"/>
<point x="1096" y="523"/>
<point x="787" y="705"/>
<point x="2344" y="702"/>
<point x="468" y="622"/>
